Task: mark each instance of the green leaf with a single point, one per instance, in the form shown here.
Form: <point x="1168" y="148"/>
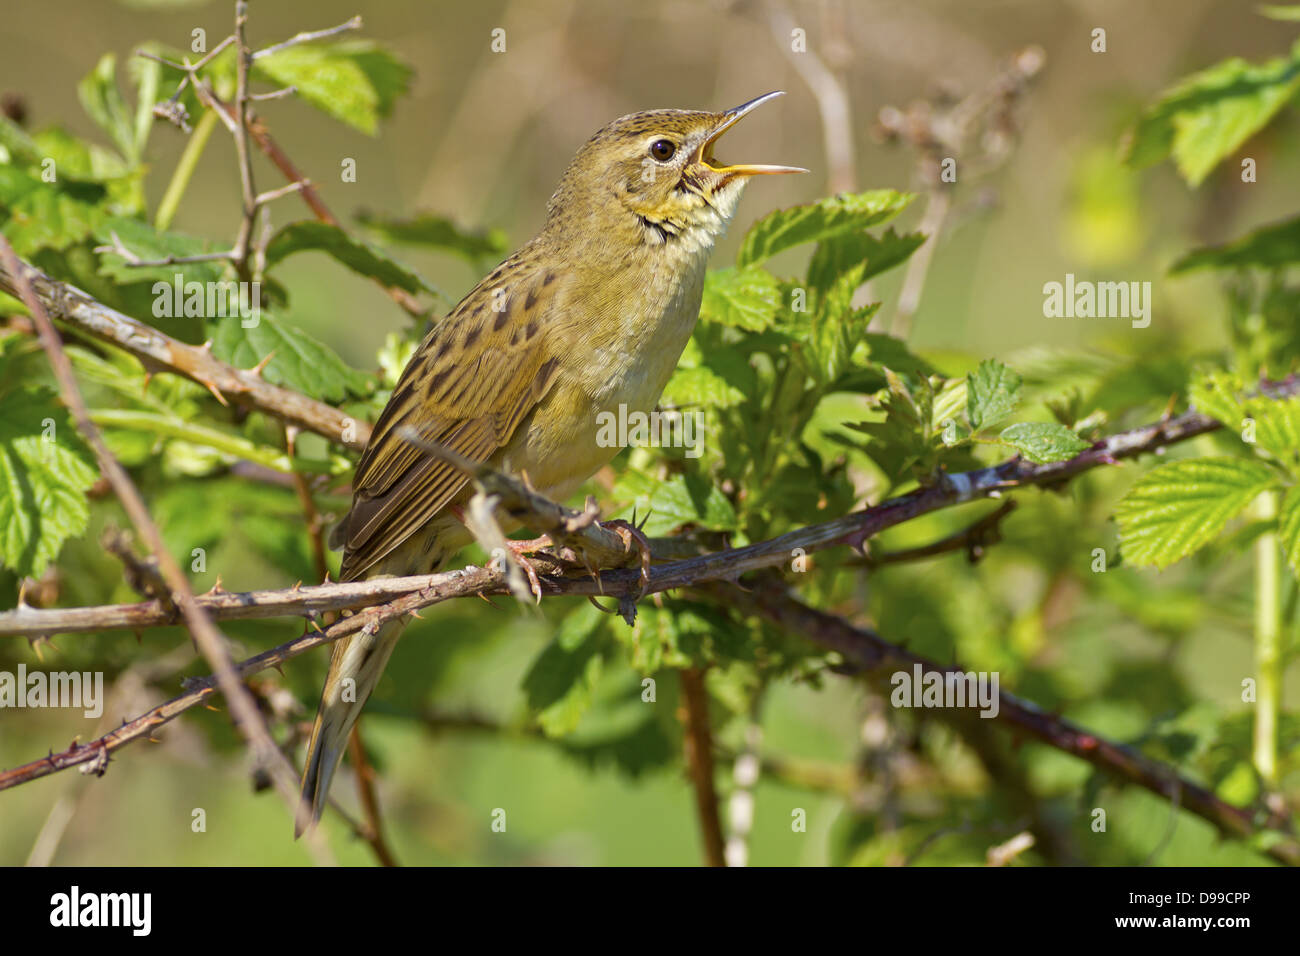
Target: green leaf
<point x="359" y="256"/>
<point x="680" y="500"/>
<point x="44" y="215"/>
<point x="1268" y="248"/>
<point x="700" y="386"/>
<point x="439" y="233"/>
<point x="1267" y="424"/>
<point x="819" y="221"/>
<point x="1043" y="442"/>
<point x="992" y="392"/>
<point x="1209" y="115"/>
<point x="561" y="680"/>
<point x="1178" y="507"/>
<point x="356" y="81"/>
<point x="1289" y="527"/>
<point x="15" y="140"/>
<point x="839" y="255"/>
<point x="742" y="298"/>
<point x="45" y="471"/>
<point x="301" y="362"/>
<point x="103" y="102"/>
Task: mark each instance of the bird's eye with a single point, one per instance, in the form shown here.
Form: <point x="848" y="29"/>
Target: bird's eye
<point x="663" y="149"/>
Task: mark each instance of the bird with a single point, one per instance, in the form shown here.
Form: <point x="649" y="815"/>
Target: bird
<point x="589" y="315"/>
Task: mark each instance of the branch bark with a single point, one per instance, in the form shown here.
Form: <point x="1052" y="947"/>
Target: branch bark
<point x="159" y="352"/>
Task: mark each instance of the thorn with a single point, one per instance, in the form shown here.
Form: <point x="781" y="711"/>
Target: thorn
<point x="598" y="606"/>
<point x="216" y="588"/>
<point x="260" y="366"/>
<point x="216" y="393"/>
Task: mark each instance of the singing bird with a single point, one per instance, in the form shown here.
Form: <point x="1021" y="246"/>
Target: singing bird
<point x="590" y="314"/>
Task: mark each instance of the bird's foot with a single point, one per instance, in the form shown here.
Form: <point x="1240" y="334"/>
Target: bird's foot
<point x="633" y="540"/>
<point x="518" y="550"/>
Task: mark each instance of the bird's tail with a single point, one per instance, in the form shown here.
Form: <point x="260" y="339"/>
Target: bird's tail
<point x="356" y="663"/>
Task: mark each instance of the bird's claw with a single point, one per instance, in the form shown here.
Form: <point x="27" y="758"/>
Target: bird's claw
<point x="633" y="538"/>
<point x="517" y="551"/>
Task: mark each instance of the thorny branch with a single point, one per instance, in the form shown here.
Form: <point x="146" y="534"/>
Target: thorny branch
<point x="159" y="352"/>
<point x="243" y="123"/>
<point x="862" y="649"/>
<point x="211" y="642"/>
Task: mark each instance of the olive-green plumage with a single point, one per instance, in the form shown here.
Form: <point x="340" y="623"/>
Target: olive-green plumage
<point x="590" y="314"/>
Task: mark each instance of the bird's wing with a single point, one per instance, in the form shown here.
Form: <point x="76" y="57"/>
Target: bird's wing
<point x="475" y="377"/>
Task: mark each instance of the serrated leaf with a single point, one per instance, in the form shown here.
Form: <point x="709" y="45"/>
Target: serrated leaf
<point x="301" y="362"/>
<point x="819" y="221"/>
<point x="102" y="101"/>
<point x="861" y="254"/>
<point x="1209" y="115"/>
<point x="700" y="387"/>
<point x="681" y="499"/>
<point x="146" y="74"/>
<point x="438" y="232"/>
<point x="1043" y="442"/>
<point x="356" y="81"/>
<point x="361" y="257"/>
<point x="1178" y="507"/>
<point x="45" y="471"/>
<point x="43" y="215"/>
<point x="1271" y="425"/>
<point x="741" y="298"/>
<point x="992" y="392"/>
<point x="1288" y="525"/>
<point x="1270" y="247"/>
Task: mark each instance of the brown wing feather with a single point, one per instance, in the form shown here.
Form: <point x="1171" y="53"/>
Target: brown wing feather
<point x="475" y="377"/>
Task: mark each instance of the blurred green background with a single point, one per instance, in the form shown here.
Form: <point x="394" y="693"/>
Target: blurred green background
<point x="483" y="138"/>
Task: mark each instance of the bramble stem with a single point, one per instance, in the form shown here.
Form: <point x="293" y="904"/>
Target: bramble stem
<point x="1268" y="640"/>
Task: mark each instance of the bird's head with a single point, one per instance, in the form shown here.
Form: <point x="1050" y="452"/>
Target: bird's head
<point x="655" y="173"/>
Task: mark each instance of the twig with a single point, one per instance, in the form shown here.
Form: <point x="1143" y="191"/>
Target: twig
<point x="745" y="769"/>
<point x="239" y="118"/>
<point x="307" y="37"/>
<point x="200" y="689"/>
<point x="373" y="830"/>
<point x="832" y="101"/>
<point x="211" y="642"/>
<point x="974" y="539"/>
<point x="698" y="749"/>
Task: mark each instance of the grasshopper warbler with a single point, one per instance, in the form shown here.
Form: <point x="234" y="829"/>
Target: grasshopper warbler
<point x="592" y="313"/>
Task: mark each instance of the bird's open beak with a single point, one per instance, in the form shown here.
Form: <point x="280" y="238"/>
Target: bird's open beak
<point x="730" y="118"/>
